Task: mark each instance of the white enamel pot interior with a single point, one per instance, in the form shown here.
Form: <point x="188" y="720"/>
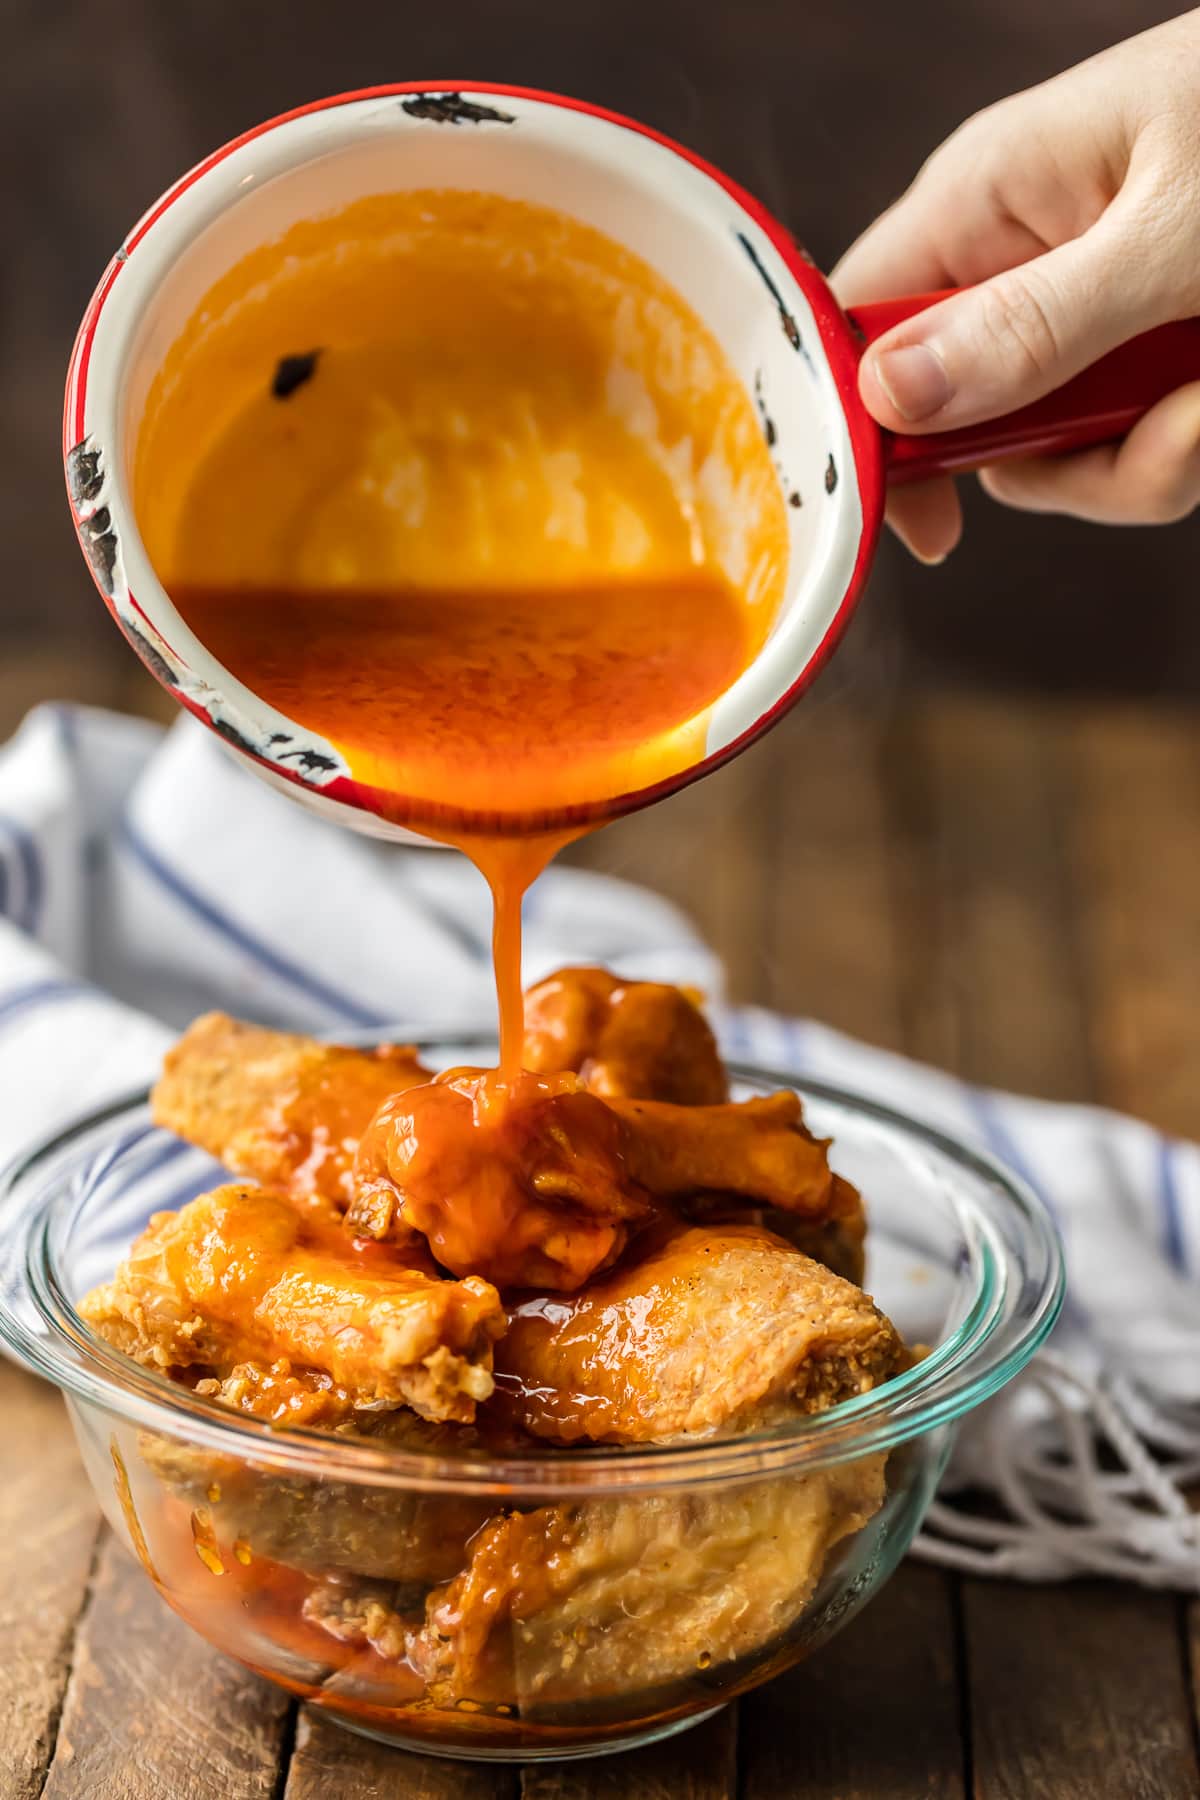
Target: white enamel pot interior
<point x="741" y="273"/>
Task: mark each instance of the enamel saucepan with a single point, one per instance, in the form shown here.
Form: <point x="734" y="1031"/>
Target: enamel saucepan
<point x="784" y="334"/>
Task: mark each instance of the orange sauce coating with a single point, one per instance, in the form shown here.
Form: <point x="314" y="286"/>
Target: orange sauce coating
<point x="520" y="1179"/>
<point x="317" y="1123"/>
<point x="502" y="544"/>
<point x="511" y="702"/>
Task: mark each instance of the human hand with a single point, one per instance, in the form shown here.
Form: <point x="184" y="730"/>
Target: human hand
<point x="1069" y="211"/>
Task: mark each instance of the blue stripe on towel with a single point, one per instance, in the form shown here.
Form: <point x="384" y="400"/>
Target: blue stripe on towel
<point x="39" y="993"/>
<point x="796" y="1037"/>
<point x="66" y="720"/>
<point x="1171" y="1210"/>
<point x="1003" y="1145"/>
<point x="31" y="871"/>
<point x="203" y="908"/>
<point x="1000" y="1141"/>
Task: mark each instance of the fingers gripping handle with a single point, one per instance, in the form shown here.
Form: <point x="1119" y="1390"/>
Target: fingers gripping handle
<point x="1096" y="407"/>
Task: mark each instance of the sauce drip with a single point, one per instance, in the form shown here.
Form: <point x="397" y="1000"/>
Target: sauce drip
<point x="510" y="866"/>
<point x="467" y="490"/>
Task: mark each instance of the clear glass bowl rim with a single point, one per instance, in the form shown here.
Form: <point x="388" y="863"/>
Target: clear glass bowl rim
<point x="988" y="1347"/>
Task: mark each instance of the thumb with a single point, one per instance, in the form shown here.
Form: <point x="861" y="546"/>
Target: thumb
<point x="990" y="349"/>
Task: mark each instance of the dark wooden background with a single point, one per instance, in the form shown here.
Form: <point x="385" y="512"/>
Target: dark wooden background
<point x="978" y="841"/>
<point x="825" y="110"/>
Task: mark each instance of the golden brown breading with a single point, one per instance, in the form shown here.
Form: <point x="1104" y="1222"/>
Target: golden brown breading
<point x="838" y="1240"/>
<point x="324" y="1526"/>
<point x="699" y="1330"/>
<point x="242" y="1275"/>
<point x="283" y="1109"/>
<point x="277" y="1392"/>
<point x="639" y="1039"/>
<point x="624" y="1596"/>
<point x="757" y="1148"/>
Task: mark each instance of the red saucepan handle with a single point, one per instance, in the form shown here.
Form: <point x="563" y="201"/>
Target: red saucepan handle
<point x="1097" y="406"/>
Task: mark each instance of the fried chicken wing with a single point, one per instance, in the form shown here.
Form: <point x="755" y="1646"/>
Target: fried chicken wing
<point x="323" y="1526"/>
<point x="838" y="1240"/>
<point x="635" y="1039"/>
<point x="278" y="1392"/>
<point x="243" y="1275"/>
<point x="282" y="1109"/>
<point x="613" y="1597"/>
<point x="757" y="1148"/>
<point x="673" y="1264"/>
<point x="707" y="1329"/>
<point x="524" y="1182"/>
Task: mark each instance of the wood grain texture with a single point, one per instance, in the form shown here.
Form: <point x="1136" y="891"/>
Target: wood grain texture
<point x="706" y="850"/>
<point x="1191" y="1645"/>
<point x="1077" y="1694"/>
<point x="330" y="1763"/>
<point x="832" y="948"/>
<point x="152" y="1713"/>
<point x="1134" y="843"/>
<point x="1093" y="1672"/>
<point x="700" y="1765"/>
<point x="998" y="946"/>
<point x="877" y="1711"/>
<point x="875" y="1715"/>
<point x="48" y="1528"/>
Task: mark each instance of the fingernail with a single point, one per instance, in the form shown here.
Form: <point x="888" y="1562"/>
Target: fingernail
<point x="914" y="379"/>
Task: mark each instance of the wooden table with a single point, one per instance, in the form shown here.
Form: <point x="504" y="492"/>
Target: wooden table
<point x="1008" y="888"/>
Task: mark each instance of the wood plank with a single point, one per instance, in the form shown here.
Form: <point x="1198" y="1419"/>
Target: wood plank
<point x="1191" y="1628"/>
<point x="48" y="1528"/>
<point x="1135" y="847"/>
<point x="703" y="849"/>
<point x="877" y="1710"/>
<point x="1002" y="898"/>
<point x="1134" y="842"/>
<point x="1077" y="1691"/>
<point x="1050" y="1715"/>
<point x="699" y="1765"/>
<point x="929" y="1022"/>
<point x="874" y="1716"/>
<point x="833" y="950"/>
<point x="35" y="672"/>
<point x="331" y="1763"/>
<point x="152" y="1713"/>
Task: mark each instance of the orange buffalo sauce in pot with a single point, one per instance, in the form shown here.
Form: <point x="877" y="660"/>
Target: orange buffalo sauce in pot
<point x="467" y="490"/>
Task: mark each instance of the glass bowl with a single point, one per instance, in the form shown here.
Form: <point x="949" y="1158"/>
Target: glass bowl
<point x="537" y="1603"/>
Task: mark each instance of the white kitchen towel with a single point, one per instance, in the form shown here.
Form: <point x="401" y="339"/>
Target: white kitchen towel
<point x="146" y="875"/>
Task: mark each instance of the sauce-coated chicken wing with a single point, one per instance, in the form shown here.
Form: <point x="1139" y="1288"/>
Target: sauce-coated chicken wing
<point x="537" y="1182"/>
<point x="612" y="1597"/>
<point x="757" y="1148"/>
<point x="701" y="1329"/>
<point x="640" y="1040"/>
<point x="838" y="1239"/>
<point x="283" y="1109"/>
<point x="524" y="1182"/>
<point x="245" y="1276"/>
<point x="321" y="1525"/>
